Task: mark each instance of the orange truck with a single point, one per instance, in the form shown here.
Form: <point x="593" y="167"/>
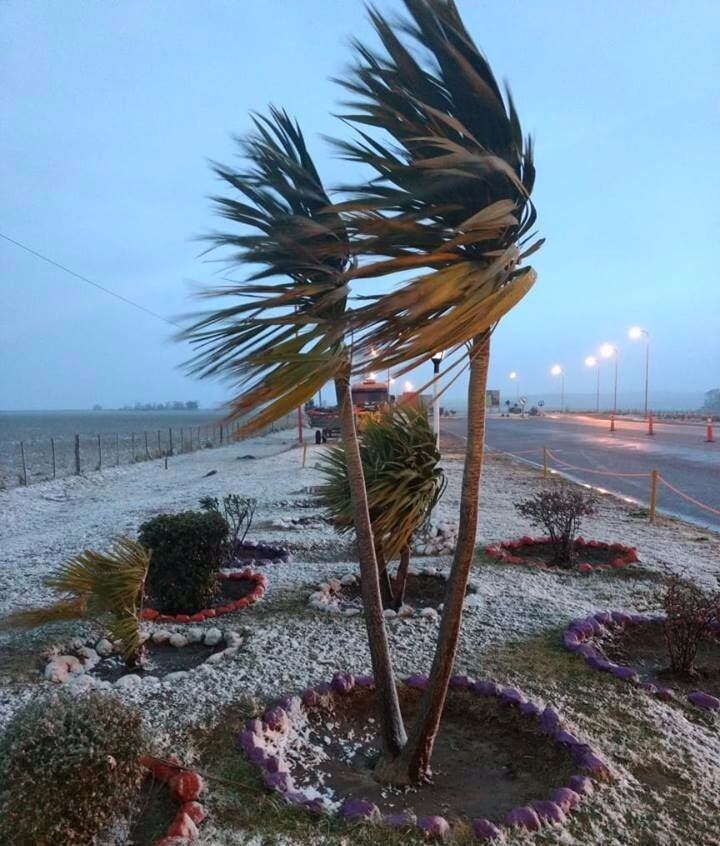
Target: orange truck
<point x="367" y="397"/>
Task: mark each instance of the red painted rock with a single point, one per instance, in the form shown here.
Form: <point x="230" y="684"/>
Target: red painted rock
<point x="195" y="811"/>
<point x="209" y="612"/>
<point x="197" y="618"/>
<point x="186" y="786"/>
<point x="585" y="567"/>
<point x="149" y="614"/>
<point x="182" y="618"/>
<point x="183" y="826"/>
<point x="173" y="841"/>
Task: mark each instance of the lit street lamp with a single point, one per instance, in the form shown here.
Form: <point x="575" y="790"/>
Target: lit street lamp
<point x="635" y="333"/>
<point x="611" y="351"/>
<point x="591" y="361"/>
<point x="436" y="359"/>
<point x="513" y="378"/>
<point x="557" y="370"/>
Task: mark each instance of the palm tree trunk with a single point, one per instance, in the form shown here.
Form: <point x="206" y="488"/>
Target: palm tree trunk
<point x="414" y="763"/>
<point x="392" y="729"/>
<point x="402" y="576"/>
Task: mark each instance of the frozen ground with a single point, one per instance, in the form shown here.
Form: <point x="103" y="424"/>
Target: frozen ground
<point x="666" y="757"/>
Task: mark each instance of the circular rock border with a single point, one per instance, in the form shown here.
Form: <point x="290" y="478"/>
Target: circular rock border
<point x="326" y="597"/>
<point x="582" y="636"/>
<point x="185" y="786"/>
<point x="504" y="551"/>
<point x="257" y="554"/>
<point x="260" y="584"/>
<point x="74" y="666"/>
<point x="257" y="742"/>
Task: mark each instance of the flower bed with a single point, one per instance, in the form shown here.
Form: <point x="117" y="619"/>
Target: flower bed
<point x="617" y="554"/>
<point x="267" y="741"/>
<point x="258" y="584"/>
<point x="424" y="594"/>
<point x="185" y="787"/>
<point x="590" y="636"/>
<point x="82" y="662"/>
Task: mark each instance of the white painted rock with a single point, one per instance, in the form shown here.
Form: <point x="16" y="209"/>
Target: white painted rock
<point x="82" y="682"/>
<point x="429" y="613"/>
<point x="318" y="597"/>
<point x="174" y="677"/>
<point x="56" y="671"/>
<point x="348" y="580"/>
<point x="178" y="640"/>
<point x="215" y="658"/>
<point x="233" y="639"/>
<point x="104" y="648"/>
<point x="88" y="656"/>
<point x="405" y="611"/>
<point x="161" y="636"/>
<point x="472" y="602"/>
<point x="334" y="585"/>
<point x="195" y="635"/>
<point x="151" y="680"/>
<point x="351" y="612"/>
<point x="389" y="614"/>
<point x="70" y="661"/>
<point x="128" y="681"/>
<point x="76" y="644"/>
<point x="213" y="636"/>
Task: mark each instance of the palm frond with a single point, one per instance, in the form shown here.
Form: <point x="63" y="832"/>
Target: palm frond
<point x="452" y="193"/>
<point x="282" y="338"/>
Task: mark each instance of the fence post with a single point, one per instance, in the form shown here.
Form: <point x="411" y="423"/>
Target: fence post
<point x="221" y="434"/>
<point x="24" y="468"/>
<point x="545" y="462"/>
<point x="117" y="449"/>
<point x="159" y="446"/>
<point x="99" y="453"/>
<point x="132" y="447"/>
<point x="653" y="493"/>
<point x="147" y="449"/>
<point x="77" y="455"/>
<point x="52" y="450"/>
<point x="709" y="431"/>
<point x="182" y="440"/>
<point x="171" y="443"/>
<point x="304" y="454"/>
<point x="612" y="422"/>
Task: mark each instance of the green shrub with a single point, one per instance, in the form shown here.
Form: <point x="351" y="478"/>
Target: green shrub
<point x="186" y="551"/>
<point x="68" y="768"/>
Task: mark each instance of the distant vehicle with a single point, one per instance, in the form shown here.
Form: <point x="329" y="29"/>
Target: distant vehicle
<point x="515" y="409"/>
<point x="367" y="397"/>
<point x="534" y="411"/>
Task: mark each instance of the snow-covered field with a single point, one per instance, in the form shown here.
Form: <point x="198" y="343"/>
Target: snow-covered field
<point x="666" y="756"/>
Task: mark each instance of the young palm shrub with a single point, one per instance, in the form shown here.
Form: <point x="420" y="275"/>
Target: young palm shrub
<point x="284" y="335"/>
<point x="452" y="199"/>
<point x="107" y="587"/>
<point x="404" y="480"/>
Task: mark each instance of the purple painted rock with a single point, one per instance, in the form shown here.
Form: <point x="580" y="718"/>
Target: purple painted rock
<point x="621" y="618"/>
<point x="280" y="782"/>
<point x="549" y="720"/>
<point x="665" y="693"/>
<point x="273" y="764"/>
<point x="594" y="764"/>
<point x="564" y="738"/>
<point x="582" y="785"/>
<point x="276" y="719"/>
<point x="257" y="757"/>
<point x="571" y="640"/>
<point x="486" y="688"/>
<point x="704" y="701"/>
<point x="585" y="649"/>
<point x="255" y="725"/>
<point x="296" y="797"/>
<point x="342" y="683"/>
<point x="529" y="708"/>
<point x="565" y="798"/>
<point x="434" y="826"/>
<point x="486" y="830"/>
<point x="511" y="696"/>
<point x="639" y="619"/>
<point x="523" y="818"/>
<point x="323" y="689"/>
<point x="314" y="806"/>
<point x="402" y="819"/>
<point x="358" y="810"/>
<point x="604" y="617"/>
<point x="460" y="682"/>
<point x="290" y="704"/>
<point x="648" y="687"/>
<point x="583" y="628"/>
<point x="548" y="811"/>
<point x="364" y="681"/>
<point x="626" y="673"/>
<point x="597" y="662"/>
<point x="310" y="698"/>
<point x="249" y="741"/>
<point x="417" y="682"/>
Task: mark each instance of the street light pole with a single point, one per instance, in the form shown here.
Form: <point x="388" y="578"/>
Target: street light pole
<point x="635" y="333"/>
<point x="558" y="370"/>
<point x="608" y="351"/>
<point x="436" y="359"/>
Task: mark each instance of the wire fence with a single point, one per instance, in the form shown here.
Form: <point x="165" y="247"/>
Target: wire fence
<point x="40" y="459"/>
<point x="653" y="476"/>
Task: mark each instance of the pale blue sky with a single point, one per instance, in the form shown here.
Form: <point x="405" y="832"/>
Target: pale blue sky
<point x="110" y="111"/>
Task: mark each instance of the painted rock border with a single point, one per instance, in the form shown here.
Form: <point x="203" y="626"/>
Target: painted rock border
<point x="584" y="635"/>
<point x="185" y="785"/>
<point x="260" y="584"/>
<point x="325" y="597"/>
<point x="505" y="552"/>
<point x="74" y="666"/>
<point x="257" y="554"/>
<point x="276" y="776"/>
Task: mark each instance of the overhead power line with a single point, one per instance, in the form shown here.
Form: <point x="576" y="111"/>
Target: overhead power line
<point x="89" y="281"/>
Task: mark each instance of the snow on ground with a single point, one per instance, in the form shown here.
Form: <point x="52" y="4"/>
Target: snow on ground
<point x="664" y="755"/>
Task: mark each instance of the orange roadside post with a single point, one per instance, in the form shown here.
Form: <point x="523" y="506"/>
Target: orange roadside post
<point x="651" y="428"/>
<point x="709" y="431"/>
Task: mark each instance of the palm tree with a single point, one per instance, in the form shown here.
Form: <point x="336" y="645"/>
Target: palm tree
<point x="451" y="197"/>
<point x="284" y="335"/>
<point x="403" y="479"/>
<point x="99" y="586"/>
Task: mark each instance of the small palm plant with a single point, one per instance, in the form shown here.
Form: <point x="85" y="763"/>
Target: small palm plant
<point x="107" y="587"/>
<point x="404" y="481"/>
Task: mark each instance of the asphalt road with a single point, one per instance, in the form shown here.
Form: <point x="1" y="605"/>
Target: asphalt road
<point x="678" y="451"/>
